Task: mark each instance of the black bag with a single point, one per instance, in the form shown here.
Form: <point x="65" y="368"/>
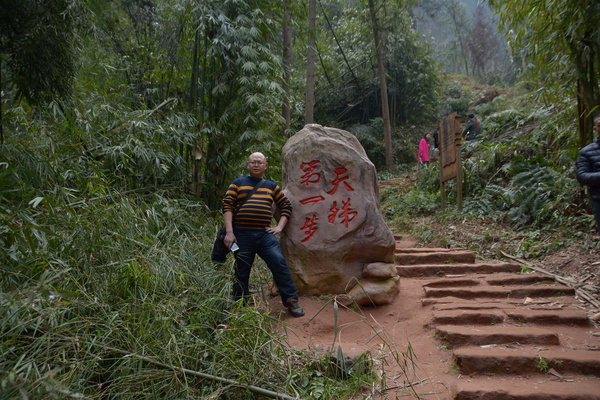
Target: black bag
<point x="220" y="250"/>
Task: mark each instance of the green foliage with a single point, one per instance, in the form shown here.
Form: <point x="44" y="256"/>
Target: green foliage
<point x="416" y="201"/>
<point x="39" y="45"/>
<point x="347" y="85"/>
<point x="530" y="199"/>
<point x="454" y="91"/>
<point x="485" y="109"/>
<point x="239" y="90"/>
<point x="100" y="268"/>
<point x="561" y="49"/>
<point x="371" y="139"/>
<point x="542" y="364"/>
<point x="460" y="106"/>
<point x="456" y="100"/>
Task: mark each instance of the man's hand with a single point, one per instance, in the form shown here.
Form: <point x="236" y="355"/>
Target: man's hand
<point x="275" y="230"/>
<point x="229" y="236"/>
<point x="282" y="222"/>
<point x="229" y="240"/>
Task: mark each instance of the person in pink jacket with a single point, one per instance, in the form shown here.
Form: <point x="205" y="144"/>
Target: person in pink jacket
<point x="423" y="156"/>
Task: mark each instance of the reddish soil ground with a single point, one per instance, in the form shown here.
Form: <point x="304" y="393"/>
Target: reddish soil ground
<point x="457" y="335"/>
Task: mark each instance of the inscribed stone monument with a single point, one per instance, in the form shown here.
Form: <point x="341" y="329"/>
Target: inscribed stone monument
<point x="337" y="236"/>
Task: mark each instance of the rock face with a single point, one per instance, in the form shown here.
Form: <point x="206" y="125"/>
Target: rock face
<point x="336" y="229"/>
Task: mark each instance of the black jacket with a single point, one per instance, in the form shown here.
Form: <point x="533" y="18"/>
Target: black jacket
<point x="588" y="168"/>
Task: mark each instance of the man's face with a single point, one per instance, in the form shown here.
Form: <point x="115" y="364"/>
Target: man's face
<point x="597" y="126"/>
<point x="257" y="165"/>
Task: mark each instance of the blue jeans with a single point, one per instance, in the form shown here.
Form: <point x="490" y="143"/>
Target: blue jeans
<point x="266" y="245"/>
<point x="596" y="208"/>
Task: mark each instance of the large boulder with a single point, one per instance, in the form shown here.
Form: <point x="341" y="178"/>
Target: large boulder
<point x="336" y="228"/>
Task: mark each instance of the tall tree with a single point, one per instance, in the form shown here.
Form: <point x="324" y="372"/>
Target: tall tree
<point x="39" y="47"/>
<point x="456" y="10"/>
<point x="483" y="42"/>
<point x="310" y="63"/>
<point x="561" y="41"/>
<point x="287" y="69"/>
<point x="385" y="109"/>
<point x="240" y="87"/>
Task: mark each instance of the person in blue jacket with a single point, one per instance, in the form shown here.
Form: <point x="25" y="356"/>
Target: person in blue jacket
<point x="588" y="171"/>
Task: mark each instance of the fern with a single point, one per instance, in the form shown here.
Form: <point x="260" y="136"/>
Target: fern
<point x="532" y="191"/>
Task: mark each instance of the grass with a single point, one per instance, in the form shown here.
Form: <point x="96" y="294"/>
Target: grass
<point x="542" y="364"/>
<point x="107" y="291"/>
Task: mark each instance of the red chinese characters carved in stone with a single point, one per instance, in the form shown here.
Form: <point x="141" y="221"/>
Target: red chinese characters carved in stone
<point x="312" y="200"/>
<point x="340" y="179"/>
<point x="347" y="215"/>
<point x="333" y="210"/>
<point x="310" y="227"/>
<point x="310" y="176"/>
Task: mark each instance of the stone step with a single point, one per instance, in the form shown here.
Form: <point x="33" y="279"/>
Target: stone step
<point x="550" y="317"/>
<point x="425" y="250"/>
<point x="453" y="282"/>
<point x="522" y="279"/>
<point x="446" y="304"/>
<point x="459" y="317"/>
<point x="484" y="389"/>
<point x="519" y="361"/>
<point x="494" y="280"/>
<point x="433" y="256"/>
<point x="501" y="292"/>
<point x="523" y="316"/>
<point x="435" y="269"/>
<point x="542" y="304"/>
<point x="494" y="335"/>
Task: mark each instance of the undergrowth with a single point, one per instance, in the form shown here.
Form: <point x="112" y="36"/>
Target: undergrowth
<point x="107" y="290"/>
<point x="520" y="176"/>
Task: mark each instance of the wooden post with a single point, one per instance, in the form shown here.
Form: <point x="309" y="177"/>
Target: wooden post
<point x="441" y="163"/>
<point x="459" y="175"/>
<point x="443" y="195"/>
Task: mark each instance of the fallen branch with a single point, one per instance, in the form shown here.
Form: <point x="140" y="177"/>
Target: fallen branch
<point x="189" y="372"/>
<point x="565" y="281"/>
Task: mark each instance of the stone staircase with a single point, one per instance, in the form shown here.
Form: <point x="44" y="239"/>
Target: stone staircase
<point x="512" y="335"/>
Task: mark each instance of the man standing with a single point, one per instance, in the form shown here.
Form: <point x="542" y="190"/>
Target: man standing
<point x="588" y="170"/>
<point x="251" y="230"/>
<point x="473" y="128"/>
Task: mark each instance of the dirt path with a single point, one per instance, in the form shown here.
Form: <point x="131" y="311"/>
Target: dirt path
<point x="474" y="331"/>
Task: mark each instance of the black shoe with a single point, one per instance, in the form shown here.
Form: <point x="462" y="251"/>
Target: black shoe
<point x="294" y="307"/>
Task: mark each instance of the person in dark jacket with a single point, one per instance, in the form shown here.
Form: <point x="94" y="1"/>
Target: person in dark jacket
<point x="473" y="128"/>
<point x="588" y="170"/>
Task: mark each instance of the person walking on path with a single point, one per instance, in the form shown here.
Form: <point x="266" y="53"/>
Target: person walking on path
<point x="473" y="128"/>
<point x="250" y="229"/>
<point x="423" y="155"/>
<point x="588" y="171"/>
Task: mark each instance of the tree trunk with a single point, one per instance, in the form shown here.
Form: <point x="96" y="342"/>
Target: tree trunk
<point x="310" y="60"/>
<point x="387" y="130"/>
<point x="287" y="65"/>
<point x="1" y="125"/>
<point x="587" y="84"/>
<point x="453" y="13"/>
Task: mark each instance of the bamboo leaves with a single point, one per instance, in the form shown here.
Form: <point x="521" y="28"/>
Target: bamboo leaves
<point x="561" y="46"/>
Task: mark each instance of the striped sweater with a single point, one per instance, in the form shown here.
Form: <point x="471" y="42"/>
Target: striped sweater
<point x="256" y="213"/>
